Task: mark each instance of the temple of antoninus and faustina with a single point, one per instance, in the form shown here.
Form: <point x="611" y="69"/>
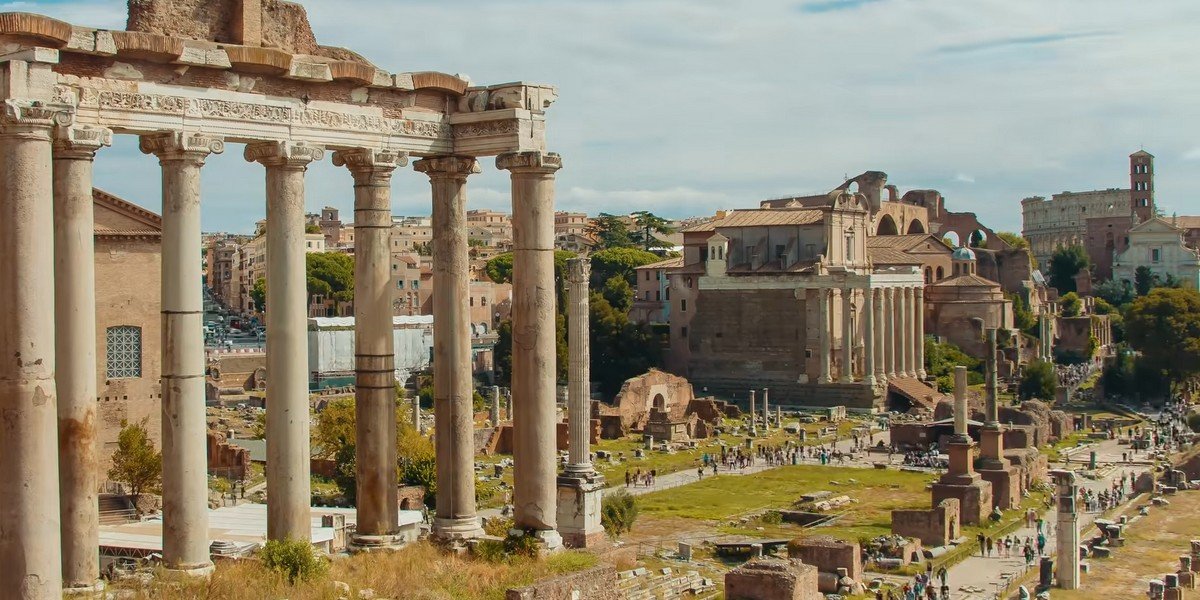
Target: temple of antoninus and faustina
<point x="190" y="77"/>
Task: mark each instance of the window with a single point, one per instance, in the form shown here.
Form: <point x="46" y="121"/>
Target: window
<point x="647" y="275"/>
<point x="683" y="305"/>
<point x="647" y="295"/>
<point x="472" y="301"/>
<point x="704" y="254"/>
<point x="416" y="283"/>
<point x="689" y="282"/>
<point x="658" y="275"/>
<point x="658" y="295"/>
<point x="667" y="297"/>
<point x="1155" y="255"/>
<point x="683" y="332"/>
<point x="124" y="356"/>
<point x="483" y="300"/>
<point x="849" y="246"/>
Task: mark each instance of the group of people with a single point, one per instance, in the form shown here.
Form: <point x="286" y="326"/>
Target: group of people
<point x="1073" y="375"/>
<point x="924" y="458"/>
<point x="1012" y="546"/>
<point x="924" y="586"/>
<point x="641" y="478"/>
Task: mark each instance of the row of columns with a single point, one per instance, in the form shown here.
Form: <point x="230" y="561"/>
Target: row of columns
<point x="48" y="391"/>
<point x="892" y="343"/>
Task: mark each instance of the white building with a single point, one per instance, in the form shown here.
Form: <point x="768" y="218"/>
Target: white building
<point x="1159" y="246"/>
<point x="331" y="347"/>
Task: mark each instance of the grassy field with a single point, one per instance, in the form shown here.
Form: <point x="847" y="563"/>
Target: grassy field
<point x="417" y="572"/>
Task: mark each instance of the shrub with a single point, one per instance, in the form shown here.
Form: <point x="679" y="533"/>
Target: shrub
<point x="771" y="517"/>
<point x="490" y="551"/>
<point x="618" y="512"/>
<point x="522" y="544"/>
<point x="497" y="526"/>
<point x="1193" y="422"/>
<point x="294" y="559"/>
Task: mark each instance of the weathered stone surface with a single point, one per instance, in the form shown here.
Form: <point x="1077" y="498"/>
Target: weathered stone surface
<point x="599" y="583"/>
<point x="772" y="579"/>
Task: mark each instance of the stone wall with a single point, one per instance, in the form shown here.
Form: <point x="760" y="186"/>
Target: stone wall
<point x="758" y="337"/>
<point x="282" y="25"/>
<point x="653" y="389"/>
<point x="772" y="579"/>
<point x="828" y="554"/>
<point x="934" y="527"/>
<point x="789" y="394"/>
<point x="599" y="583"/>
<point x="230" y="462"/>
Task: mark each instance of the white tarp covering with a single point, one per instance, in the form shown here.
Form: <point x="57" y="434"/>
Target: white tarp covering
<point x="331" y="345"/>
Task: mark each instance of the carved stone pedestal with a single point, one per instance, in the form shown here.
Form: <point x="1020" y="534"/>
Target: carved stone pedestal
<point x="964" y="484"/>
<point x="579" y="499"/>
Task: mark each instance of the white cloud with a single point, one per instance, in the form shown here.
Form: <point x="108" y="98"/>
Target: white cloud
<point x="964" y="178"/>
<point x="690" y="105"/>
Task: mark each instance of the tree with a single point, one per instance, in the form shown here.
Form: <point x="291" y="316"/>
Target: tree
<point x="1038" y="382"/>
<point x="1065" y="264"/>
<point x="135" y="462"/>
<point x="940" y="360"/>
<point x="1116" y="320"/>
<point x="610" y="231"/>
<point x="649" y="224"/>
<point x="330" y="274"/>
<point x="618" y="511"/>
<point x="1144" y="280"/>
<point x="619" y="261"/>
<point x="1071" y="305"/>
<point x="1116" y="293"/>
<point x="1012" y="239"/>
<point x="1164" y="326"/>
<point x="312" y="229"/>
<point x="258" y="294"/>
<point x="1023" y="318"/>
<point x="620" y="349"/>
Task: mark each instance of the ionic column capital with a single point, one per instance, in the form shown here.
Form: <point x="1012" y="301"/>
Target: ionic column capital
<point x="80" y="141"/>
<point x="447" y="167"/>
<point x="288" y="155"/>
<point x="179" y="146"/>
<point x="535" y="162"/>
<point x="579" y="269"/>
<point x="33" y="118"/>
<point x="370" y="166"/>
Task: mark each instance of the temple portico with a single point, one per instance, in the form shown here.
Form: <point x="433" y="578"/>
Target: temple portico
<point x="290" y="106"/>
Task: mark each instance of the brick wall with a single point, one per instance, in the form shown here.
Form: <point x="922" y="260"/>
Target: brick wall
<point x="934" y="527"/>
<point x="225" y="460"/>
<point x="828" y="554"/>
<point x="599" y="583"/>
<point x="773" y="579"/>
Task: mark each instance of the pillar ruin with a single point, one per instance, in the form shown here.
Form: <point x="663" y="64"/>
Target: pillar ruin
<point x="919" y="335"/>
<point x="453" y="384"/>
<point x="580" y="487"/>
<point x="753" y="415"/>
<point x="1006" y="480"/>
<point x="824" y="298"/>
<point x="906" y="338"/>
<point x="870" y="376"/>
<point x="889" y="332"/>
<point x="533" y="360"/>
<point x="289" y="489"/>
<point x="1067" y="533"/>
<point x="766" y="411"/>
<point x="374" y="360"/>
<point x="494" y="414"/>
<point x="847" y="335"/>
<point x="30" y="546"/>
<point x="184" y="426"/>
<point x="75" y="352"/>
<point x="961" y="481"/>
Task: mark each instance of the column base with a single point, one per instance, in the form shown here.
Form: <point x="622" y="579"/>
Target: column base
<point x="921" y="374"/>
<point x="376" y="543"/>
<point x="456" y="530"/>
<point x="549" y="539"/>
<point x="203" y="571"/>
<point x="579" y="502"/>
<point x="85" y="591"/>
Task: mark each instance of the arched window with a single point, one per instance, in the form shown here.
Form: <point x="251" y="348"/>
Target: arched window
<point x="124" y="352"/>
<point x="941" y="274"/>
<point x="928" y="275"/>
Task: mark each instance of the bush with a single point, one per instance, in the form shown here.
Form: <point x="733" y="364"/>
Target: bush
<point x="294" y="559"/>
<point x="490" y="551"/>
<point x="497" y="526"/>
<point x="618" y="512"/>
<point x="771" y="517"/>
<point x="524" y="544"/>
<point x="1038" y="382"/>
<point x="1193" y="422"/>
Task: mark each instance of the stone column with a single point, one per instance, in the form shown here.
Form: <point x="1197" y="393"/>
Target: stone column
<point x="533" y="379"/>
<point x="30" y="546"/>
<point x="899" y="313"/>
<point x="289" y="489"/>
<point x="889" y="332"/>
<point x="847" y="335"/>
<point x="579" y="380"/>
<point x="1067" y="567"/>
<point x="184" y="451"/>
<point x="495" y="412"/>
<point x="766" y="411"/>
<point x="75" y="352"/>
<point x="910" y="331"/>
<point x="416" y="414"/>
<point x="753" y="415"/>
<point x="374" y="360"/>
<point x="993" y="409"/>
<point x="453" y="385"/>
<point x="823" y="297"/>
<point x="960" y="403"/>
<point x="919" y="335"/>
<point x="869" y="307"/>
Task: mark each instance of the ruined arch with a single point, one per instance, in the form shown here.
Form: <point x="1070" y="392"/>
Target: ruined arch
<point x="659" y="402"/>
<point x="916" y="226"/>
<point x="977" y="239"/>
<point x="887" y="226"/>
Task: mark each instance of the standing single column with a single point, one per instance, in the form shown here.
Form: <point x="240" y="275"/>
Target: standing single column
<point x="495" y="412"/>
<point x="992" y="408"/>
<point x="453" y="386"/>
<point x="766" y="411"/>
<point x="75" y="352"/>
<point x="919" y="325"/>
<point x="533" y="385"/>
<point x="869" y="337"/>
<point x="30" y="546"/>
<point x="579" y="397"/>
<point x="374" y="360"/>
<point x="823" y="300"/>
<point x="288" y="481"/>
<point x="184" y="453"/>
<point x="889" y="337"/>
<point x="753" y="416"/>
<point x="847" y="335"/>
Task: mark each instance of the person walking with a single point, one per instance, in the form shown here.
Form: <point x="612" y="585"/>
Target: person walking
<point x="990" y="545"/>
<point x="982" y="544"/>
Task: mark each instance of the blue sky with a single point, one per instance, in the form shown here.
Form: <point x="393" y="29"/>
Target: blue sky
<point x="684" y="107"/>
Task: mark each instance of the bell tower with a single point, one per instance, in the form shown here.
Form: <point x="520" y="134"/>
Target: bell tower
<point x="1141" y="186"/>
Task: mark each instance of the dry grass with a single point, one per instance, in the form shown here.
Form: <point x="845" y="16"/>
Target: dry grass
<point x="418" y="572"/>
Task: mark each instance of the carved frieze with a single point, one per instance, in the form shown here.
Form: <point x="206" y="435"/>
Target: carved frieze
<point x="177" y="145"/>
<point x="486" y="128"/>
<point x="447" y="166"/>
<point x="369" y="166"/>
<point x="29" y="116"/>
<point x="532" y="160"/>
<point x="283" y="154"/>
<point x="80" y="141"/>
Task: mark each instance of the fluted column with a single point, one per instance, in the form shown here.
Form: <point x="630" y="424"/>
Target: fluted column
<point x="898" y="314"/>
<point x="869" y="336"/>
<point x="910" y="332"/>
<point x="75" y="351"/>
<point x="453" y="386"/>
<point x="533" y="360"/>
<point x="184" y="452"/>
<point x="30" y="546"/>
<point x="579" y="417"/>
<point x="374" y="360"/>
<point x="847" y="335"/>
<point x="823" y="300"/>
<point x="289" y="490"/>
<point x="919" y="334"/>
<point x="889" y="328"/>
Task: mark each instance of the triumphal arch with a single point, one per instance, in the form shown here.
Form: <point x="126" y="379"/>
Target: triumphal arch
<point x="190" y="78"/>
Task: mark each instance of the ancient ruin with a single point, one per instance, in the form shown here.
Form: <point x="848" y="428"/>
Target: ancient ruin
<point x="961" y="481"/>
<point x="190" y="77"/>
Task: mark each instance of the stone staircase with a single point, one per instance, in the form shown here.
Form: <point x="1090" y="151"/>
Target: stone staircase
<point x="663" y="584"/>
<point x="116" y="509"/>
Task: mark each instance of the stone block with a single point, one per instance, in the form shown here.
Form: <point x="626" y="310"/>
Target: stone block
<point x="975" y="499"/>
<point x="828" y="554"/>
<point x="772" y="579"/>
<point x="579" y="501"/>
<point x="934" y="527"/>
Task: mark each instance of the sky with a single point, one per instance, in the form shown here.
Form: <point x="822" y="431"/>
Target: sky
<point x="684" y="107"/>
